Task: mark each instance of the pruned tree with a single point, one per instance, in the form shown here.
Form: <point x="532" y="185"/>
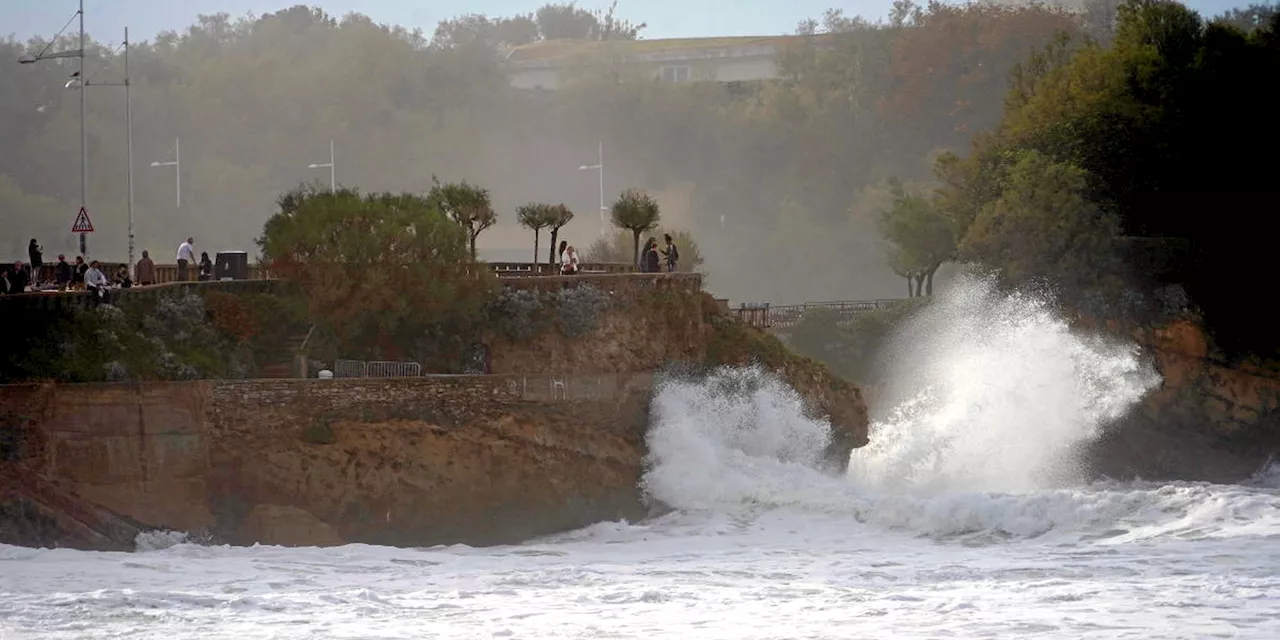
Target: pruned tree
<point x="536" y="216"/>
<point x="561" y="217"/>
<point x="637" y="212"/>
<point x="922" y="237"/>
<point x="467" y="204"/>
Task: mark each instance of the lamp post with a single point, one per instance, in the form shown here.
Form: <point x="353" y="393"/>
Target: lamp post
<point x="598" y="167"/>
<point x="80" y="82"/>
<point x="177" y="172"/>
<point x="84" y="134"/>
<point x="333" y="183"/>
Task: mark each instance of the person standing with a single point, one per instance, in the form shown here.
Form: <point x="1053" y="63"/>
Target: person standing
<point x="671" y="254"/>
<point x="77" y="276"/>
<point x="145" y="273"/>
<point x="186" y="256"/>
<point x="206" y="267"/>
<point x="62" y="275"/>
<point x="651" y="256"/>
<point x="36" y="254"/>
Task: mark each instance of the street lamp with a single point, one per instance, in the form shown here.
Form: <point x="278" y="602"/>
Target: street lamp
<point x="599" y="167"/>
<point x="333" y="183"/>
<point x="84" y="134"/>
<point x="177" y="173"/>
<point x="78" y="81"/>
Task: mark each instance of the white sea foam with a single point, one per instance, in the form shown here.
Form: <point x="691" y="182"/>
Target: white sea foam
<point x="961" y="521"/>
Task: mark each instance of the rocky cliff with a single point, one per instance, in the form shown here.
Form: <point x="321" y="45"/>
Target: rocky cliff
<point x="1210" y="419"/>
<point x="553" y="440"/>
<point x="411" y="461"/>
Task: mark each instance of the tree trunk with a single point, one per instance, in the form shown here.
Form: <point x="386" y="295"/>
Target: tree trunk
<point x="910" y="293"/>
<point x="928" y="287"/>
<point x="919" y="284"/>
<point x="535" y="246"/>
<point x="635" y="247"/>
<point x="473" y="235"/>
<point x="551" y="255"/>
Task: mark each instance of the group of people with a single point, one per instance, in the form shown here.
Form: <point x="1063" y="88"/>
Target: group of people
<point x="90" y="276"/>
<point x="652" y="258"/>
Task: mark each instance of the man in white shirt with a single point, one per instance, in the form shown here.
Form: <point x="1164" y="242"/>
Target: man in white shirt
<point x="186" y="255"/>
<point x="96" y="282"/>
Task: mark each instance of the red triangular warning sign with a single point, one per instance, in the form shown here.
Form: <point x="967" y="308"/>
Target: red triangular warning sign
<point x="82" y="224"/>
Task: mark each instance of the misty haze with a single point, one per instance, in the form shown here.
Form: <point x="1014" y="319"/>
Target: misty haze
<point x="947" y="322"/>
<point x="767" y="150"/>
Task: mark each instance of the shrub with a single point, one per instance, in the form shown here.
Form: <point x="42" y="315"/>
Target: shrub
<point x="578" y="309"/>
<point x="518" y="314"/>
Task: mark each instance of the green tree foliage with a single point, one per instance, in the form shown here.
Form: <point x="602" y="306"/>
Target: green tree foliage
<point x="1130" y="134"/>
<point x="378" y="269"/>
<point x="568" y="21"/>
<point x="923" y="238"/>
<point x="1043" y="227"/>
<point x="636" y="212"/>
<point x="467" y="204"/>
<point x="537" y="216"/>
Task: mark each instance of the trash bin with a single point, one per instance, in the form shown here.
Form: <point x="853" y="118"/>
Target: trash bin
<point x="231" y="265"/>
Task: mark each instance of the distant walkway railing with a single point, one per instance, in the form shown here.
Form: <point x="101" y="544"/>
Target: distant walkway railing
<point x="764" y="316"/>
<point x="375" y="369"/>
<point x="527" y="269"/>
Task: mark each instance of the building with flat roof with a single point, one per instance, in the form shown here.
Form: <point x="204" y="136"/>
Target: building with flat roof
<point x="546" y="65"/>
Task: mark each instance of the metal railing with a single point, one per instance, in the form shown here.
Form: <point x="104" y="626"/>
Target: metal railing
<point x="764" y="316"/>
<point x="528" y="269"/>
<point x="375" y="369"/>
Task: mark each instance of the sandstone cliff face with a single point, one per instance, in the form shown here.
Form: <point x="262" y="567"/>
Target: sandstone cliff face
<point x="1209" y="420"/>
<point x="553" y="441"/>
<point x="321" y="462"/>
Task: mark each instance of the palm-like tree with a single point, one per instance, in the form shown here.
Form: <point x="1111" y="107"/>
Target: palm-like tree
<point x="466" y="204"/>
<point x="636" y="211"/>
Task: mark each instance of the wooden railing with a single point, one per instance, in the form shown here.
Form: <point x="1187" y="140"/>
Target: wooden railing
<point x="764" y="316"/>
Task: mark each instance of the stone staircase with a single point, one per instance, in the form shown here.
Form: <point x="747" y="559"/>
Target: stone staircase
<point x="278" y="363"/>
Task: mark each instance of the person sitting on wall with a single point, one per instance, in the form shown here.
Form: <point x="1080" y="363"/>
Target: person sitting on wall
<point x="18" y="278"/>
<point x="122" y="279"/>
<point x="96" y="282"/>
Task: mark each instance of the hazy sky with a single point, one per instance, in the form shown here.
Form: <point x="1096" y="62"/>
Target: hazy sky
<point x="105" y="19"/>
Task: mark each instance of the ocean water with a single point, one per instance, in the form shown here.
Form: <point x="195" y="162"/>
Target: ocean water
<point x="967" y="517"/>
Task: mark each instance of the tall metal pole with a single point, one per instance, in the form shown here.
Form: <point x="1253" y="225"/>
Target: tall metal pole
<point x="600" y="158"/>
<point x="177" y="173"/>
<point x="84" y="135"/>
<point x="333" y="182"/>
<point x="128" y="116"/>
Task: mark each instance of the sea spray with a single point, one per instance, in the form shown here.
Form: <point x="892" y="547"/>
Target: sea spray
<point x="996" y="391"/>
<point x="738" y="435"/>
